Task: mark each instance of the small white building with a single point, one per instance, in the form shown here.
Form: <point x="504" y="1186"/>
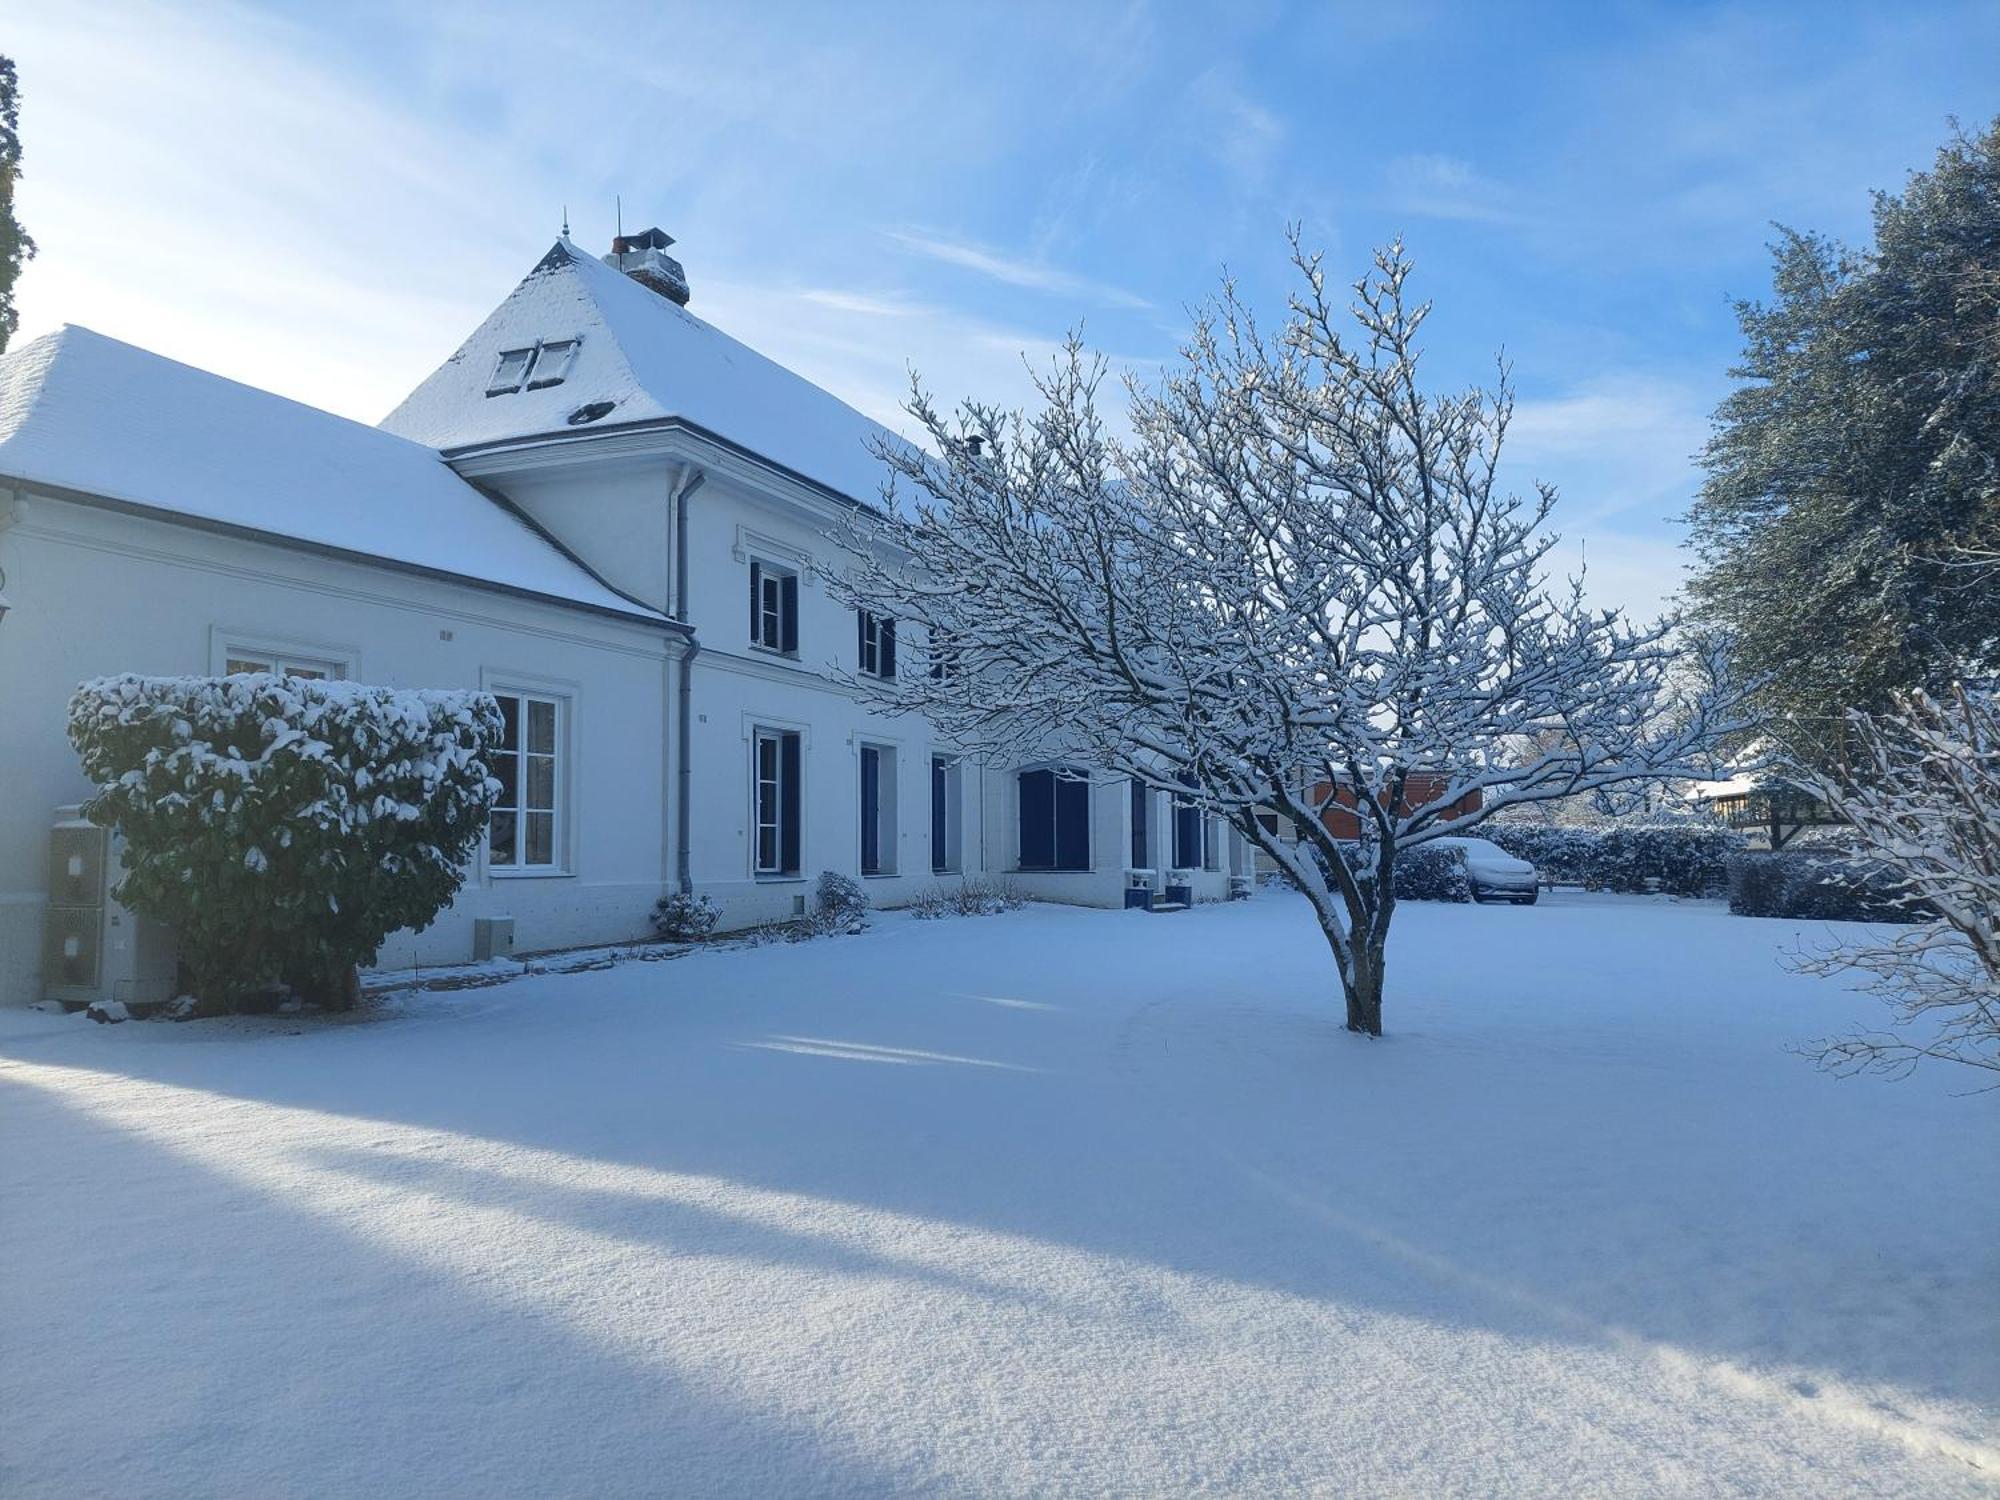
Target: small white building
<point x="600" y="508"/>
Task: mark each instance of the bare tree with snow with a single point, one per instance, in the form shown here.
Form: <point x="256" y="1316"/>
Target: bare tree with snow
<point x="1923" y="794"/>
<point x="1296" y="588"/>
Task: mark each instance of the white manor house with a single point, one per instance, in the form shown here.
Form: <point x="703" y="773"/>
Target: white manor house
<point x="601" y="509"/>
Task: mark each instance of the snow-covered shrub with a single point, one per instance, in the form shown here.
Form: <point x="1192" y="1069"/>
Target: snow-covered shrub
<point x="1815" y="886"/>
<point x="988" y="898"/>
<point x="929" y="905"/>
<point x="839" y="903"/>
<point x="283" y="827"/>
<point x="1430" y="873"/>
<point x="684" y="918"/>
<point x="969" y="898"/>
<point x="1680" y="859"/>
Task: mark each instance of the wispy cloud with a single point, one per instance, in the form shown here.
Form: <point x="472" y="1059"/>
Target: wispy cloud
<point x="1012" y="270"/>
<point x="1242" y="134"/>
<point x="1447" y="187"/>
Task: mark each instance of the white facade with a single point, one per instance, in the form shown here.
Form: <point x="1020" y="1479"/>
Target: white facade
<point x="627" y="622"/>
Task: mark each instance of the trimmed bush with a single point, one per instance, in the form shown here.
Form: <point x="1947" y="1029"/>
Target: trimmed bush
<point x="1679" y="859"/>
<point x="1428" y="873"/>
<point x="281" y="826"/>
<point x="682" y="918"/>
<point x="1813" y="885"/>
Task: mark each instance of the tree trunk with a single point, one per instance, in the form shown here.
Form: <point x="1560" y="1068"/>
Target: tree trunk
<point x="1364" y="987"/>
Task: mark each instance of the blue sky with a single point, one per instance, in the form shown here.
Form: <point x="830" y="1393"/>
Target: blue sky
<point x="324" y="199"/>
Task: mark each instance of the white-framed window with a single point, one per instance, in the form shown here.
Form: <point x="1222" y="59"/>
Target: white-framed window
<point x="775" y="767"/>
<point x="878" y="809"/>
<point x="544" y="363"/>
<point x="240" y="659"/>
<point x="877" y="644"/>
<point x="525" y="831"/>
<point x="774" y="607"/>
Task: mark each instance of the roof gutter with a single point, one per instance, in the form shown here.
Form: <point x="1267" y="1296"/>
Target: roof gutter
<point x="686" y="481"/>
<point x="561" y="439"/>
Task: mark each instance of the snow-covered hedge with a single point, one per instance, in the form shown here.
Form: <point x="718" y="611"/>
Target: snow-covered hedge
<point x="1429" y="873"/>
<point x="283" y="827"/>
<point x="1819" y="886"/>
<point x="1681" y="859"/>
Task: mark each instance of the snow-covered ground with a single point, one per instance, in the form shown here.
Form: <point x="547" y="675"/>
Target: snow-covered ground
<point x="1061" y="1202"/>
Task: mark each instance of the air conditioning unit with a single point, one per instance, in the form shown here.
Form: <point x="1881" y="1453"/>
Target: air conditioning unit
<point x="93" y="948"/>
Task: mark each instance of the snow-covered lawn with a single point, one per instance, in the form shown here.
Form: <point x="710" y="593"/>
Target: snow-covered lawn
<point x="1061" y="1202"/>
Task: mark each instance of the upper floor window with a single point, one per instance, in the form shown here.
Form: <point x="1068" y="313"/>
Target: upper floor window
<point x="878" y="644"/>
<point x="541" y="364"/>
<point x="774" y="607"/>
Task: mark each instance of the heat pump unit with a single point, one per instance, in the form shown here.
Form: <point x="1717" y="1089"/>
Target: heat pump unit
<point x="93" y="948"/>
<point x="492" y="937"/>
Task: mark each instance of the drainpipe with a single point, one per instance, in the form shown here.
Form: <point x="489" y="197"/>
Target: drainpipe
<point x="685" y="483"/>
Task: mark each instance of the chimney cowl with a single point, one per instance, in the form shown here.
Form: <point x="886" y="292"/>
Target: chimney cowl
<point x="644" y="258"/>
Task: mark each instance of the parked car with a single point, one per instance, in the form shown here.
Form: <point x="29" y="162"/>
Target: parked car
<point x="1495" y="874"/>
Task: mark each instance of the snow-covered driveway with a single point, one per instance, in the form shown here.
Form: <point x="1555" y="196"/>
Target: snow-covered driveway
<point x="1061" y="1202"/>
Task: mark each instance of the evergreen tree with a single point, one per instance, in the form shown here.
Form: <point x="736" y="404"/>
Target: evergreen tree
<point x="15" y="246"/>
<point x="1859" y="465"/>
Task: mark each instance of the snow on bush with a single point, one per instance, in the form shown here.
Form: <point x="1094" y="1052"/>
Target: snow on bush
<point x="1430" y="872"/>
<point x="969" y="898"/>
<point x="1815" y="885"/>
<point x="283" y="827"/>
<point x="1680" y="859"/>
<point x="684" y="918"/>
<point x="839" y="903"/>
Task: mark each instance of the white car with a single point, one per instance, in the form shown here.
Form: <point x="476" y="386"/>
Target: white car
<point x="1495" y="874"/>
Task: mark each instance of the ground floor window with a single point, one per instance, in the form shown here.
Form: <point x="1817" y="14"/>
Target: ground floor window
<point x="775" y="766"/>
<point x="241" y="659"/>
<point x="1055" y="820"/>
<point x="524" y="830"/>
<point x="878" y="810"/>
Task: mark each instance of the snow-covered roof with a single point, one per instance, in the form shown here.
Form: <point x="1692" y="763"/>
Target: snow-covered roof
<point x="653" y="360"/>
<point x="83" y="412"/>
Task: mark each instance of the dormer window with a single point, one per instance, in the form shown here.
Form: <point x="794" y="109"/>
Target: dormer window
<point x="536" y="367"/>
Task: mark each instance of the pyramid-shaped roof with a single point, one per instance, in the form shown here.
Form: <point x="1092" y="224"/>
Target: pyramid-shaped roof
<point x="652" y="361"/>
<point x="90" y="414"/>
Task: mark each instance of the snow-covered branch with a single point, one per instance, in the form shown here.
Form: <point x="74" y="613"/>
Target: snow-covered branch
<point x="1296" y="587"/>
<point x="1923" y="794"/>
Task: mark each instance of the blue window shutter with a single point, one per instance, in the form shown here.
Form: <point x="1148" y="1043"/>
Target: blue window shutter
<point x="1038" y="820"/>
<point x="1072" y="823"/>
<point x="756" y="602"/>
<point x="1141" y="796"/>
<point x="871" y="810"/>
<point x="887" y="663"/>
<point x="940" y="843"/>
<point x="790" y="610"/>
<point x="789" y="777"/>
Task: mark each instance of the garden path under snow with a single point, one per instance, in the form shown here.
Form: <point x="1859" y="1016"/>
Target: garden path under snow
<point x="1060" y="1202"/>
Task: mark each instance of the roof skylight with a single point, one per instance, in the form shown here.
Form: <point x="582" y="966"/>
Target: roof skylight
<point x="540" y="365"/>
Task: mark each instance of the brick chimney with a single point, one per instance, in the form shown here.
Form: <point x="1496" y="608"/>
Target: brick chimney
<point x="644" y="258"/>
